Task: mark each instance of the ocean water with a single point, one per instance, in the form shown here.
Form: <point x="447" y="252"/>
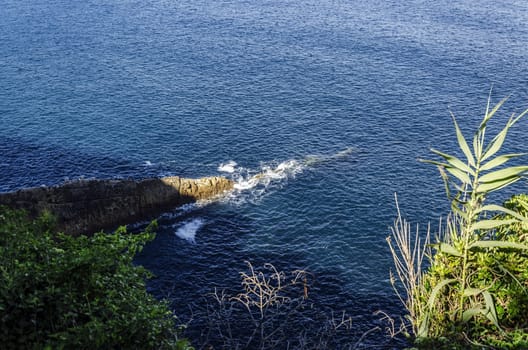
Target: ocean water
<point x="332" y="102"/>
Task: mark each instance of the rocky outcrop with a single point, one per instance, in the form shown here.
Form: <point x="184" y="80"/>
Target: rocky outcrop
<point x="87" y="206"/>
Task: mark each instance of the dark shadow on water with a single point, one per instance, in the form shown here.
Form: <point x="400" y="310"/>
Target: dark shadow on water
<point x="187" y="274"/>
<point x="84" y="206"/>
<point x="24" y="164"/>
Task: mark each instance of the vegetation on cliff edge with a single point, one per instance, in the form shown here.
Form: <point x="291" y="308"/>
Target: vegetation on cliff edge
<point x="57" y="291"/>
<point x="474" y="291"/>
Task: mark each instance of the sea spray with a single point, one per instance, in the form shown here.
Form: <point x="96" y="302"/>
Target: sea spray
<point x="253" y="184"/>
<point x="188" y="229"/>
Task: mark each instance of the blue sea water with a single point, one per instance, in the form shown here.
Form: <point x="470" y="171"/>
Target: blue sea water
<point x="333" y="100"/>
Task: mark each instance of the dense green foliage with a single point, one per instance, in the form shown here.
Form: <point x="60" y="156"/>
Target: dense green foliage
<point x="57" y="291"/>
<point x="475" y="291"/>
<point x="496" y="313"/>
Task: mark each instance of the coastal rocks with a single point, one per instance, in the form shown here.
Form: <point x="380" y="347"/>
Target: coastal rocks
<point x="87" y="206"/>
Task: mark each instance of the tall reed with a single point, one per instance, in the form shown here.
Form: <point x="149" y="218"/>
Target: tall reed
<point x="451" y="292"/>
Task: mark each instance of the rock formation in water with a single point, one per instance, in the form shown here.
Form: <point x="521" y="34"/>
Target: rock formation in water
<point x="87" y="206"/>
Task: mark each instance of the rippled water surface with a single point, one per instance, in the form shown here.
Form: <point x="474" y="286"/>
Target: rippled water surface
<point x="332" y="101"/>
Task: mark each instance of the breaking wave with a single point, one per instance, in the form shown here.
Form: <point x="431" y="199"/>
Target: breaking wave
<point x="252" y="184"/>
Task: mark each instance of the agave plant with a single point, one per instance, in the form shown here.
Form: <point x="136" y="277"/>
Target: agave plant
<point x="469" y="231"/>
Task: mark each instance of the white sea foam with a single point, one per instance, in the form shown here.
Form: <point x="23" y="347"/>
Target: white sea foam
<point x="253" y="184"/>
<point x="267" y="175"/>
<point x="188" y="229"/>
<point x="228" y="167"/>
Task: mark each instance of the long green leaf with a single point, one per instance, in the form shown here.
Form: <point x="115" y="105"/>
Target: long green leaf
<point x="463" y="177"/>
<point x="489" y="114"/>
<point x="503" y="174"/>
<point x="498" y="244"/>
<point x="472" y="312"/>
<point x="462" y="143"/>
<point x="459" y="174"/>
<point x="469" y="292"/>
<point x="423" y="329"/>
<point x="485" y="119"/>
<point x="454" y="161"/>
<point x="520" y="116"/>
<point x="448" y="249"/>
<point x="496" y="143"/>
<point x="477" y="147"/>
<point x="445" y="180"/>
<point x="489" y="224"/>
<point x="500" y="208"/>
<point x="457" y="210"/>
<point x="491" y="313"/>
<point x="498" y="140"/>
<point x="437" y="289"/>
<point x="495" y="162"/>
<point x="497" y="185"/>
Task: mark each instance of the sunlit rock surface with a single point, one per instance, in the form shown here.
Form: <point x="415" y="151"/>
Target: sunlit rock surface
<point x="87" y="206"/>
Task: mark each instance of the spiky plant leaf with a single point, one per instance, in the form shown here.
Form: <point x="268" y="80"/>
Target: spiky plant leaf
<point x="490" y="224"/>
<point x="459" y="174"/>
<point x="477" y="146"/>
<point x="503" y="174"/>
<point x="498" y="161"/>
<point x="445" y="180"/>
<point x="498" y="244"/>
<point x="462" y="143"/>
<point x="455" y="162"/>
<point x="436" y="290"/>
<point x="448" y="249"/>
<point x="490" y="114"/>
<point x="500" y="208"/>
<point x="491" y="312"/>
<point x="497" y="185"/>
<point x="497" y="141"/>
<point x="439" y="164"/>
<point x="472" y="312"/>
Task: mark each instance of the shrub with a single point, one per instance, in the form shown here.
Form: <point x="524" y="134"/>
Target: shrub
<point x="57" y="291"/>
<point x="474" y="292"/>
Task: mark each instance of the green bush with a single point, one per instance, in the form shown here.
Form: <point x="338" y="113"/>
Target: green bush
<point x="475" y="291"/>
<point x="57" y="291"/>
<point x="499" y="319"/>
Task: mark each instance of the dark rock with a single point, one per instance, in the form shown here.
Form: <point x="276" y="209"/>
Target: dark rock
<point x="87" y="206"/>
